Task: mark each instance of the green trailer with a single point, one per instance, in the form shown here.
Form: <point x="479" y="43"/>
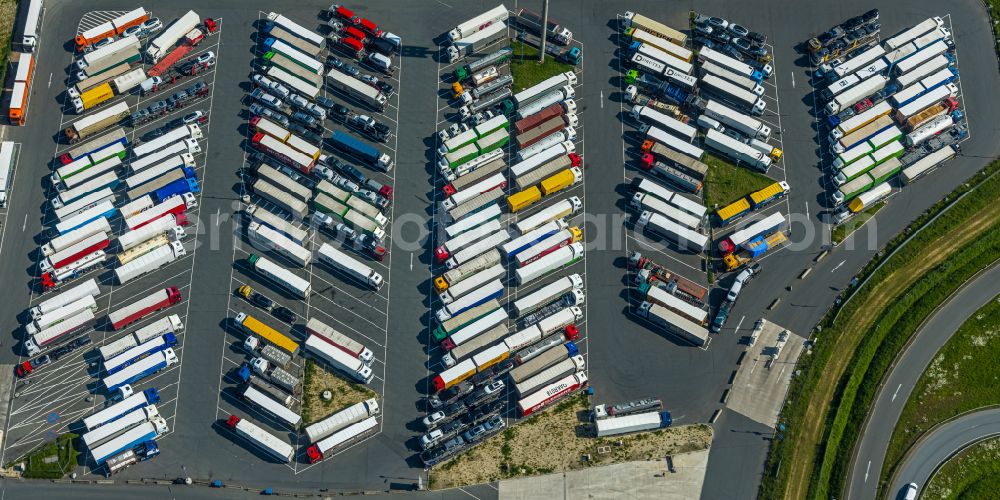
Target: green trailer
<point x="886" y="170"/>
<point x="461" y="155"/>
<point x="497" y="139"/>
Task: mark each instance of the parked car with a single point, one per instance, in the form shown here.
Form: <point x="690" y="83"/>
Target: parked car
<point x="482" y="411"/>
<point x="307" y="120"/>
<point x="104" y="43"/>
<point x="135" y="31"/>
<point x="258" y="110"/>
<point x="268" y="100"/>
<point x="324" y="172"/>
<point x="738" y="30"/>
<point x="196" y="117"/>
<point x="297" y="101"/>
<point x="458" y="390"/>
<point x="271" y="86"/>
<point x="151" y="25"/>
<point x="484" y="429"/>
<point x="206" y="58"/>
<point x="306" y="134"/>
<point x="284" y="314"/>
<point x="254" y="298"/>
<point x="339" y="112"/>
<point x="325" y="101"/>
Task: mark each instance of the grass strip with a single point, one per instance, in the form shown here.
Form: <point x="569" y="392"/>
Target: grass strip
<point x="972" y="474"/>
<point x="726" y="183"/>
<point x="52" y="460"/>
<point x="962" y="377"/>
<point x="791" y="469"/>
<point x="843" y="230"/>
<point x="525" y="69"/>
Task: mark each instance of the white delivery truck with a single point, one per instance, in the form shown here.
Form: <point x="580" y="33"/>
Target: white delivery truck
<point x="339" y="340"/>
<point x="350" y="415"/>
<point x="546" y="294"/>
<point x="150" y="262"/>
<point x="737" y="151"/>
<point x="264" y="237"/>
<point x="554" y="260"/>
<point x="87" y="288"/>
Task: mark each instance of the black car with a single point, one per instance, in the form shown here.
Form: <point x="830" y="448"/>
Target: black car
<point x="284" y="314"/>
<point x="482" y="412"/>
<point x="306" y="133"/>
<point x="157" y="108"/>
<point x="352" y="173"/>
<point x="339" y="112"/>
<point x="494" y="371"/>
<point x="438" y="400"/>
<point x="757" y="39"/>
<point x="385" y="87"/>
<point x="70" y="347"/>
<point x="871" y="15"/>
<point x="454" y="409"/>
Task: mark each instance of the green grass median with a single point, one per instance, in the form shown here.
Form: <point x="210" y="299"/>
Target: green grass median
<point x="52" y="460"/>
<point x="525" y="69"/>
<point x="826" y="404"/>
<point x="973" y="474"/>
<point x="727" y="183"/>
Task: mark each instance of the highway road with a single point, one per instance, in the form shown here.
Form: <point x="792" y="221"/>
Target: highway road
<point x="942" y="444"/>
<point x="870" y="451"/>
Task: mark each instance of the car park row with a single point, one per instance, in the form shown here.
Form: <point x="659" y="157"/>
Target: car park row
<point x="507" y="315"/>
<point x="891" y="107"/>
<point x="316" y="226"/>
<point x="117" y="200"/>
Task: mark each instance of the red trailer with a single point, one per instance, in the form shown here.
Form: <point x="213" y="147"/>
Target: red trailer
<point x="351" y="46"/>
<point x="78" y="250"/>
<point x="551" y="393"/>
<point x="139" y="309"/>
<point x="543" y="130"/>
<point x="192" y="38"/>
<point x="353" y="32"/>
<point x="345" y="14"/>
<point x="529" y="122"/>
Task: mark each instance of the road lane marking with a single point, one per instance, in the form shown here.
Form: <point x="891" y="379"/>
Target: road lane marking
<point x="838" y="266"/>
<point x="602" y="98"/>
<point x="793" y="79"/>
<point x="895" y="393"/>
<point x="866" y="470"/>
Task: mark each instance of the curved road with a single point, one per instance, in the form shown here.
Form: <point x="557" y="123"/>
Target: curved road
<point x="869" y="453"/>
<point x="941" y="444"/>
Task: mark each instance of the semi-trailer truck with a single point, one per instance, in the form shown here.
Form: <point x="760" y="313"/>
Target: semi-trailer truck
<point x="460" y="273"/>
<point x="147" y="431"/>
<point x="370" y="155"/>
<point x="139" y="370"/>
<point x="495" y="15"/>
<point x="737" y="151"/>
<point x="551" y="393"/>
<point x="171" y="324"/>
<point x="557" y="371"/>
<point x="348" y="265"/>
<point x="557" y="259"/>
<point x="344" y="437"/>
<point x="339" y="340"/>
<point x="476" y="42"/>
<point x="348" y="416"/>
<point x="150" y="262"/>
<point x="64" y="330"/>
<point x="142" y="307"/>
<point x="261" y="439"/>
<point x="96" y="122"/>
<point x="339" y="359"/>
<point x="546" y="294"/>
<point x="614" y="426"/>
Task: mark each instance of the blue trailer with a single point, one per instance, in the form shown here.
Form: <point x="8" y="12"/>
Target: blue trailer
<point x="119" y="362"/>
<point x="517" y="245"/>
<point x="145" y="398"/>
<point x="138" y="435"/>
<point x="139" y="370"/>
<point x="356" y="148"/>
<point x="188" y="184"/>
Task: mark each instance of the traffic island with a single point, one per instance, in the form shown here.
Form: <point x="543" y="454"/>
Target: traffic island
<point x="342" y="393"/>
<point x="525" y="69"/>
<point x="973" y="473"/>
<point x="561" y="440"/>
<point x="726" y="182"/>
<point x="52" y="460"/>
<point x="842" y="231"/>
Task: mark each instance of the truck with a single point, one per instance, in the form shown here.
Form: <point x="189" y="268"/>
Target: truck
<point x="747" y="125"/>
<point x="142" y="307"/>
<point x="454" y="276"/>
<point x="112" y="412"/>
<point x="551" y="393"/>
<point x="548" y="245"/>
<point x="93" y="97"/>
<point x="496" y="15"/>
<point x="344" y="418"/>
<point x="344" y="437"/>
<point x="476" y="249"/>
<point x="737" y="151"/>
<point x="498" y="98"/>
<point x="339" y="340"/>
<point x="559" y="210"/>
<point x="557" y="371"/>
<point x="495" y="58"/>
<point x="280" y="197"/>
<point x="547" y="169"/>
<point x="326" y="352"/>
<point x="140" y="453"/>
<point x="264" y="237"/>
<point x="169" y="213"/>
<point x="545" y="129"/>
<point x="546" y="294"/>
<point x="486" y="89"/>
<point x="281" y="276"/>
<point x="482" y="171"/>
<point x="267" y="403"/>
<point x="354" y="147"/>
<point x="563" y="97"/>
<point x="270" y="372"/>
<point x="130" y="356"/>
<point x="261" y="439"/>
<point x="190" y="40"/>
<point x="464" y="318"/>
<point x="87" y="288"/>
<point x="73" y="253"/>
<point x="96" y="122"/>
<point x="139" y="370"/>
<point x="674" y="323"/>
<point x="147" y="431"/>
<point x="643" y="405"/>
<point x="352" y="87"/>
<point x="513" y="247"/>
<point x="856" y="93"/>
<point x="614" y="426"/>
<point x="350" y="266"/>
<point x="61" y="314"/>
<point x="121" y="45"/>
<point x="160" y="227"/>
<point x="61" y="331"/>
<point x="557" y="259"/>
<point x="169" y="37"/>
<point x="567" y="134"/>
<point x="554" y="31"/>
<point x="666" y="295"/>
<point x="528" y="95"/>
<point x="258" y="214"/>
<point x="740" y="97"/>
<point x="533" y="120"/>
<point x="171" y="324"/>
<point x="484" y="294"/>
<point x="150" y="262"/>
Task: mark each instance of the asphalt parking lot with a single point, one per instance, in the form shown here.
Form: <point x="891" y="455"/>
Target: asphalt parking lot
<point x="48" y="402"/>
<point x="624" y="361"/>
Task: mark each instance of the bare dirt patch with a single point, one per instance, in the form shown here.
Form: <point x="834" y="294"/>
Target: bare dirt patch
<point x="556" y="441"/>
